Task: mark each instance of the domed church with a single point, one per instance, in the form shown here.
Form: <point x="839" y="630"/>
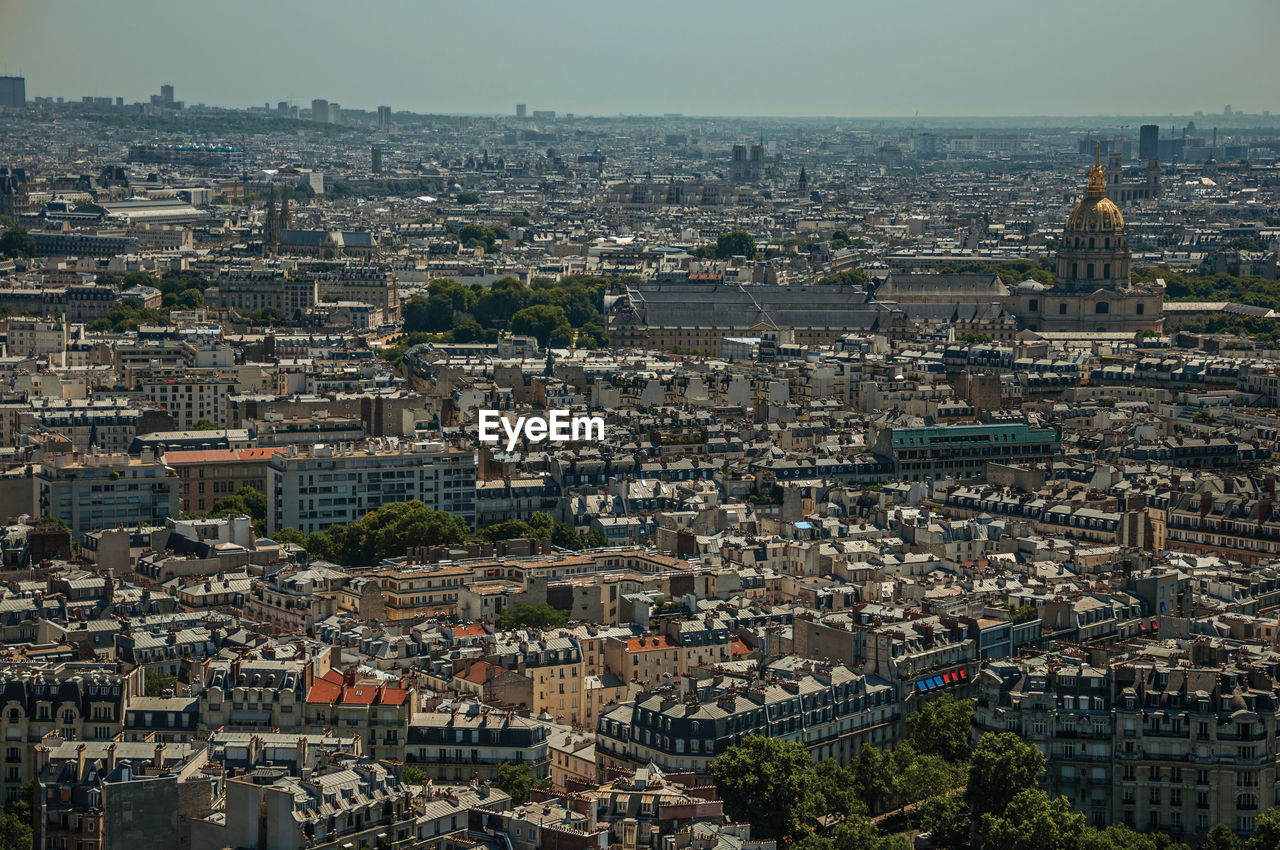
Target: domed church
<point x="1092" y="291"/>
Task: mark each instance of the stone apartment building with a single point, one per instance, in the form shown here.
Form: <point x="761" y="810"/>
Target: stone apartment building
<point x="1175" y="746"/>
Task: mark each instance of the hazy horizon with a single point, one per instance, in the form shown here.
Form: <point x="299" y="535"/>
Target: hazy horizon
<point x="716" y="59"/>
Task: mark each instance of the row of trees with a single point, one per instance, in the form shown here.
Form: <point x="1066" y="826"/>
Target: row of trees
<point x="985" y="797"/>
<point x="552" y="311"/>
<point x="389" y="531"/>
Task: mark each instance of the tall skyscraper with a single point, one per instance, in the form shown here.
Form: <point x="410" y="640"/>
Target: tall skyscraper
<point x="166" y="93"/>
<point x="376" y="154"/>
<point x="522" y="110"/>
<point x="1148" y="141"/>
<point x="320" y="111"/>
<point x="384" y="116"/>
<point x="335" y="113"/>
<point x="13" y="91"/>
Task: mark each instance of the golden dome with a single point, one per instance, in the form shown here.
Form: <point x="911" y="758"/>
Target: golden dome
<point x="1096" y="213"/>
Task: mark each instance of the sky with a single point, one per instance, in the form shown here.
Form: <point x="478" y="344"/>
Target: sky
<point x="699" y="57"/>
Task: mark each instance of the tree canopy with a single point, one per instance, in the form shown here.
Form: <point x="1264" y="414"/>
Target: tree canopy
<point x="735" y="243"/>
<point x="523" y="615"/>
<point x="547" y="322"/>
<point x="1032" y="821"/>
<point x="942" y="728"/>
<point x="1003" y="765"/>
<point x="385" y="532"/>
<point x="769" y="782"/>
<point x="517" y="780"/>
<point x="16" y="242"/>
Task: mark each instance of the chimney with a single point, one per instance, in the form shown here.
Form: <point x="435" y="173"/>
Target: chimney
<point x="304" y="748"/>
<point x="158" y="762"/>
<point x="80" y="763"/>
<point x="111" y="758"/>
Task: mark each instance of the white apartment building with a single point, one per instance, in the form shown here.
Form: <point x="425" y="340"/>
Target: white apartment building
<point x="311" y="488"/>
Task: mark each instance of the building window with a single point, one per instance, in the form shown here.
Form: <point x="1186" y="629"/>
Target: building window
<point x="1106" y="270"/>
<point x="1088" y="271"/>
<point x="1033" y="304"/>
<point x="1141" y="309"/>
<point x="1062" y="309"/>
<point x="1102" y="307"/>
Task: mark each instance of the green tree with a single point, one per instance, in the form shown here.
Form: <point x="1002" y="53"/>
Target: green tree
<point x="389" y="531"/>
<point x="859" y="833"/>
<point x="413" y="775"/>
<point x="15" y="820"/>
<point x="735" y="243"/>
<point x="546" y="322"/>
<point x="1221" y="838"/>
<point x="205" y="425"/>
<point x="974" y="338"/>
<point x="478" y="234"/>
<point x="848" y="277"/>
<point x="837" y="789"/>
<point x="467" y="198"/>
<point x="592" y="335"/>
<point x="244" y="502"/>
<point x="769" y="783"/>
<point x="16" y="242"/>
<point x="1002" y="766"/>
<point x="946" y="819"/>
<point x="506" y="530"/>
<point x="541" y="524"/>
<point x="157" y="683"/>
<point x="518" y="780"/>
<point x="1032" y="821"/>
<point x="927" y="775"/>
<point x="1266" y="831"/>
<point x="1021" y="613"/>
<point x="942" y="727"/>
<point x="875" y="775"/>
<point x="1119" y="837"/>
<point x="523" y="615"/>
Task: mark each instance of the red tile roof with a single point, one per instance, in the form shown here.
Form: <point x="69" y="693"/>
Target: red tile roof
<point x="330" y="688"/>
<point x="394" y="696"/>
<point x="650" y="643"/>
<point x="202" y="456"/>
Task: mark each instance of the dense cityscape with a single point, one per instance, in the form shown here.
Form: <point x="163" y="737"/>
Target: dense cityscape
<point x="374" y="478"/>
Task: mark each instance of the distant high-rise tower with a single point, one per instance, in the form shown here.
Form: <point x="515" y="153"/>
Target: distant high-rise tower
<point x="335" y="113"/>
<point x="13" y="92"/>
<point x="320" y="111"/>
<point x="376" y="154"/>
<point x="384" y="116"/>
<point x="1148" y="141"/>
<point x="282" y="108"/>
<point x="166" y="93"/>
<point x="522" y="110"/>
<point x="1226" y="110"/>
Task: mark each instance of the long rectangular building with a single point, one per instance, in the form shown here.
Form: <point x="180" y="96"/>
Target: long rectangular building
<point x="313" y="488"/>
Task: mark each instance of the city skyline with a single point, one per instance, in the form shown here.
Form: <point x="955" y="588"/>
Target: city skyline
<point x="984" y="59"/>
